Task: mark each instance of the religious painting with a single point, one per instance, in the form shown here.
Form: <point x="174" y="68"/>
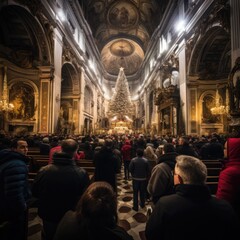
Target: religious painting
<point x="207" y="116"/>
<point x="236" y="91"/>
<point x="22" y="98"/>
<point x="123" y="15"/>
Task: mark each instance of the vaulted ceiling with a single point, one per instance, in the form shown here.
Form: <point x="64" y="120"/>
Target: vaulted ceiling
<point x="122" y="30"/>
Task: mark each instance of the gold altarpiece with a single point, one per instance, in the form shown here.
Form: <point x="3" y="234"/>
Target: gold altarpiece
<point x="167" y="100"/>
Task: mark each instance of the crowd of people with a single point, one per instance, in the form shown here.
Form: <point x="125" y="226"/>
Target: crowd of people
<point x="166" y="172"/>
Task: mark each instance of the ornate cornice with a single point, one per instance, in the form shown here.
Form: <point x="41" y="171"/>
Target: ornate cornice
<point x="167" y="96"/>
<point x="171" y="64"/>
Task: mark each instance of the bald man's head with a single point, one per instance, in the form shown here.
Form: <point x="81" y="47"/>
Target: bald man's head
<point x="69" y="146"/>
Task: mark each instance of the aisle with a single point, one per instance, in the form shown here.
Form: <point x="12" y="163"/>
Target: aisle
<point x="133" y="222"/>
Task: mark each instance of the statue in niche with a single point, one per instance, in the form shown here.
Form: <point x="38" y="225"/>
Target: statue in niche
<point x="22" y="97"/>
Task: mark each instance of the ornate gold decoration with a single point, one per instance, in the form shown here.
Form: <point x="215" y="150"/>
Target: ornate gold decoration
<point x="5" y="106"/>
<point x="122" y="53"/>
<point x="123" y="14"/>
<point x="165" y="97"/>
<point x="219" y="108"/>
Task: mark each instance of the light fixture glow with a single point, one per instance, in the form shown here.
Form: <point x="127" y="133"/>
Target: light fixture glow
<point x="180" y="26"/>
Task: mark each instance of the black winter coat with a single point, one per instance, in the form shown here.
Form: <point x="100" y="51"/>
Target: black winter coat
<point x="106" y="166"/>
<point x="14" y="188"/>
<point x="192" y="213"/>
<point x="58" y="187"/>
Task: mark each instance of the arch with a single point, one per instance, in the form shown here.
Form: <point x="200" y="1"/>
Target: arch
<point x="70" y="83"/>
<point x="210" y="57"/>
<point x="206" y="102"/>
<point x="23" y="94"/>
<point x="30" y="48"/>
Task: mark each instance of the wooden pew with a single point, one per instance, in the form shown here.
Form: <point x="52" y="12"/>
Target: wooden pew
<point x="212" y="163"/>
<point x="37" y="161"/>
<point x="212" y="178"/>
<point x="213" y="171"/>
<point x="87" y="165"/>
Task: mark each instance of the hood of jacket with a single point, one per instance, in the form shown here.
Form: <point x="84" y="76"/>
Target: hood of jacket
<point x="169" y="159"/>
<point x="233" y="149"/>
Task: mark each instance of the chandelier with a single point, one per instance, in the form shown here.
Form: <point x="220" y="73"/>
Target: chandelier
<point x="5" y="106"/>
<point x="220" y="109"/>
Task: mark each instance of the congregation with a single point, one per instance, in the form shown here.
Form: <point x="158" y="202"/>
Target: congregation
<point x="168" y="173"/>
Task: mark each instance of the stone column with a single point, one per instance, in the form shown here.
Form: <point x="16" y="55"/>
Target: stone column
<point x="235" y="29"/>
<point x="81" y="104"/>
<point x="56" y="83"/>
<point x="44" y="104"/>
<point x="234" y="125"/>
<point x="183" y="89"/>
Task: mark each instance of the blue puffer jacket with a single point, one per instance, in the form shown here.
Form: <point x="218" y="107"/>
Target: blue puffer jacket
<point x="14" y="189"/>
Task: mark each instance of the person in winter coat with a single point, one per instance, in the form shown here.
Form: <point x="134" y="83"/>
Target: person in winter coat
<point x="192" y="212"/>
<point x="58" y="187"/>
<point x="106" y="164"/>
<point x="14" y="191"/>
<point x="126" y="151"/>
<point x="95" y="216"/>
<point x="140" y="170"/>
<point x="229" y="177"/>
<point x="184" y="148"/>
<point x="161" y="179"/>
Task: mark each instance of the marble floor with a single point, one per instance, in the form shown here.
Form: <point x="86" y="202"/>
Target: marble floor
<point x="134" y="222"/>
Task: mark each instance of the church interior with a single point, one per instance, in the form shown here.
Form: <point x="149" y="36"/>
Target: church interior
<point x="155" y="67"/>
<point x="128" y="67"/>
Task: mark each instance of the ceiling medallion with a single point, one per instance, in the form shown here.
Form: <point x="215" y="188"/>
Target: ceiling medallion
<point x="123" y="15"/>
<point x="122" y="48"/>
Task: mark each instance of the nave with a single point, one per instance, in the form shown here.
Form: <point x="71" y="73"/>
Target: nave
<point x="133" y="222"/>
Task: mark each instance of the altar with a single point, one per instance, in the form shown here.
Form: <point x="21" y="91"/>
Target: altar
<point x="120" y="130"/>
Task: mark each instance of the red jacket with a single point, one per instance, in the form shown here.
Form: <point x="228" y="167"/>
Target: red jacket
<point x="126" y="151"/>
<point x="78" y="156"/>
<point x="229" y="177"/>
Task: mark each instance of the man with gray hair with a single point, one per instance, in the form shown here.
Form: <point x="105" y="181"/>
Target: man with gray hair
<point x="192" y="212"/>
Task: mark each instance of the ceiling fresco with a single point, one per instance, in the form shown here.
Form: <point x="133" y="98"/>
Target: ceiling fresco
<point x="122" y="30"/>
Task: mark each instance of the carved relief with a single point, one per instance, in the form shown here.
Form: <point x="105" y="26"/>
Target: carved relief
<point x="167" y="96"/>
<point x="67" y="54"/>
<point x="169" y="71"/>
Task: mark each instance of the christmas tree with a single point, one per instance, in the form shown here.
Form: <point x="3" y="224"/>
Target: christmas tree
<point x="120" y="106"/>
